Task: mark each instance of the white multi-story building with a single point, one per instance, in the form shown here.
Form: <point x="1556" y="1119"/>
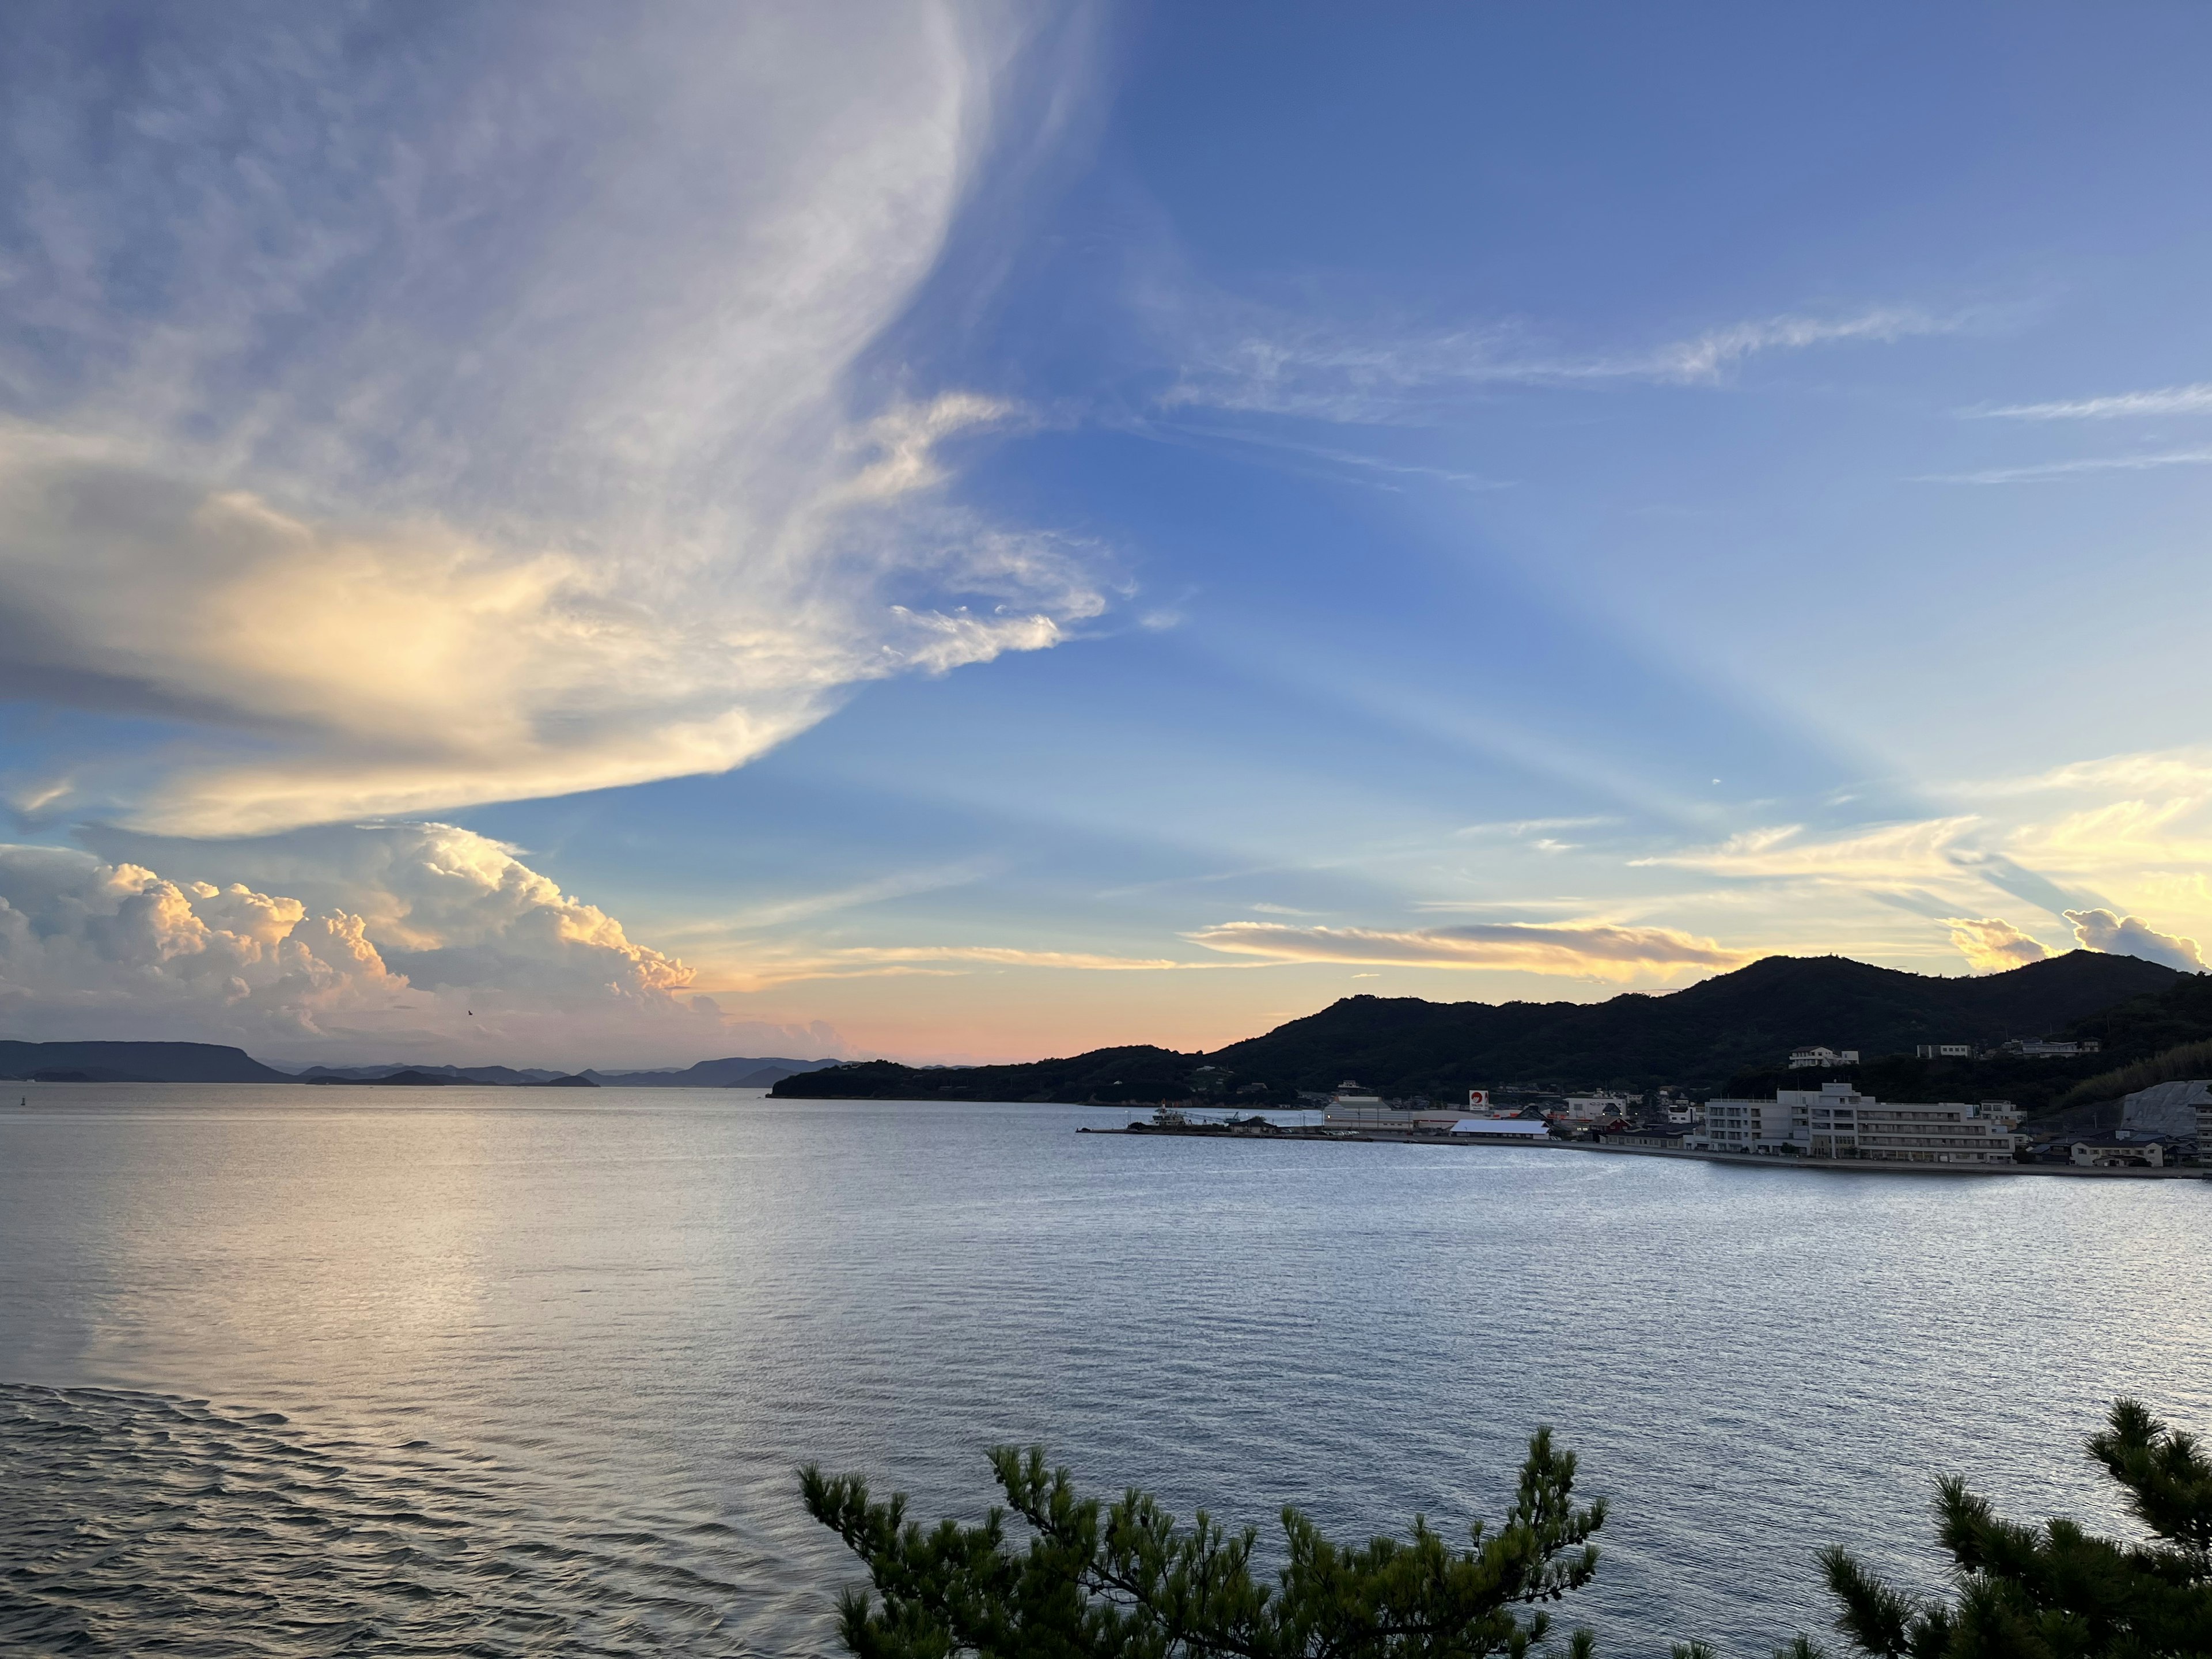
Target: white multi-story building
<point x="1835" y="1120"/>
<point x="1748" y="1126"/>
<point x="1944" y="1050"/>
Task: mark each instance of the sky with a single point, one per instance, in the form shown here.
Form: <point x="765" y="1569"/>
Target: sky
<point x="960" y="532"/>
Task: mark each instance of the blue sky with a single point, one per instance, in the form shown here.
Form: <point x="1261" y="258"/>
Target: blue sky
<point x="984" y="532"/>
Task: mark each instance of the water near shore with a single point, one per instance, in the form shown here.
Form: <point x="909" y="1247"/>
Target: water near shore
<point x="494" y="1371"/>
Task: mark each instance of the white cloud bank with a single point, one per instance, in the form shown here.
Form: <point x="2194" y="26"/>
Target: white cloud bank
<point x="455" y="412"/>
<point x="453" y="948"/>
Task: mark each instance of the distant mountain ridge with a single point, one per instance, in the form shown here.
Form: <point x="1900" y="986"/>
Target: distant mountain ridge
<point x="209" y="1062"/>
<point x="1695" y="1038"/>
<point x="508" y="1075"/>
<point x="734" y="1074"/>
<point x="738" y="1072"/>
<point x="1701" y="1035"/>
<point x="136" y="1062"/>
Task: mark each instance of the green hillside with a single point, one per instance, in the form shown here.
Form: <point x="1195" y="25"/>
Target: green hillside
<point x="1735" y="1024"/>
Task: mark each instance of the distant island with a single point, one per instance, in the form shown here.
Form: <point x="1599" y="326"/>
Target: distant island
<point x="211" y="1062"/>
<point x="416" y="1079"/>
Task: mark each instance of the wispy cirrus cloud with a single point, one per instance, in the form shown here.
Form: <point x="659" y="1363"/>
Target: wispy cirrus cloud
<point x="405" y="455"/>
<point x="2176" y="771"/>
<point x="1517" y="828"/>
<point x="2043" y="471"/>
<point x="1587" y="949"/>
<point x="2095" y="842"/>
<point x="1373" y="470"/>
<point x="1706" y="357"/>
<point x="2195" y="399"/>
<point x="897" y="884"/>
<point x="1890" y="853"/>
<point x="2118" y="835"/>
<point x="1266" y="363"/>
<point x="763" y="965"/>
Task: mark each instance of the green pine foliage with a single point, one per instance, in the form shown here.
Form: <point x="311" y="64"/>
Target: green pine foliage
<point x="1127" y="1580"/>
<point x="2054" y="1591"/>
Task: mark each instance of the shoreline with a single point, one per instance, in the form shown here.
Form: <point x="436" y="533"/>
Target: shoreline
<point x="1750" y="1160"/>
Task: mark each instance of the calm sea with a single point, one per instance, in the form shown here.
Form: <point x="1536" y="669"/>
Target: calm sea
<point x="304" y="1371"/>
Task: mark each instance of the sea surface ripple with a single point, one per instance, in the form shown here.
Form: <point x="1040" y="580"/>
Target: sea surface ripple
<point x="142" y="1523"/>
<point x="487" y="1371"/>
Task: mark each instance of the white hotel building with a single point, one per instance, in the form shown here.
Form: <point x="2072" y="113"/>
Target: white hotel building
<point x="1835" y="1120"/>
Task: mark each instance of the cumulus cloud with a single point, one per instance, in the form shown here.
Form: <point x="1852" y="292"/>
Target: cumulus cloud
<point x="82" y="940"/>
<point x="1587" y="949"/>
<point x="509" y="425"/>
<point x="1991" y="945"/>
<point x="2131" y="936"/>
<point x="452" y="947"/>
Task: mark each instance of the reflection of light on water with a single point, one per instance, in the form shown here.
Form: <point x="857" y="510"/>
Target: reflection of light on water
<point x="369" y="1229"/>
<point x="661" y="1301"/>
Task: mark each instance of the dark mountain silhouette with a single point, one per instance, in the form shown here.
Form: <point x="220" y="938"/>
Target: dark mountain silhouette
<point x="736" y="1073"/>
<point x="134" y="1062"/>
<point x="1103" y="1075"/>
<point x="1695" y="1038"/>
<point x="389" y="1079"/>
<point x="505" y="1076"/>
<point x="207" y="1062"/>
<point x="1698" y="1037"/>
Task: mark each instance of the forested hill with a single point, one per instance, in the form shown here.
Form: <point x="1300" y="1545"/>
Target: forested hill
<point x="1698" y="1037"/>
<point x="1695" y="1038"/>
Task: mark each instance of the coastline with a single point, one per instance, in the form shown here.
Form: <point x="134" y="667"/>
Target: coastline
<point x="1752" y="1160"/>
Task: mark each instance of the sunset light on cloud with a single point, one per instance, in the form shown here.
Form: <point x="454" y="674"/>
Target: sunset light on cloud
<point x="969" y="531"/>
